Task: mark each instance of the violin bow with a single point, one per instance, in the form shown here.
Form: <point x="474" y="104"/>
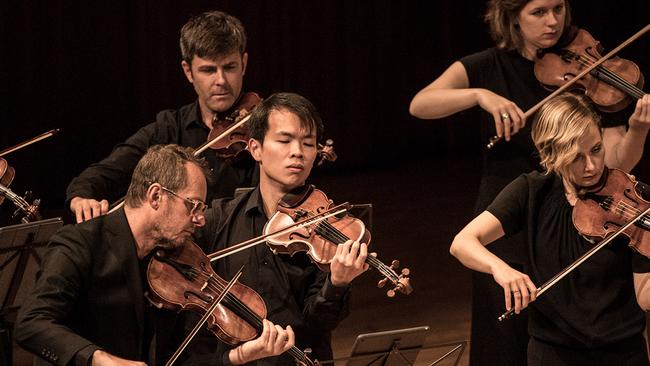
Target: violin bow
<point x="30" y="141"/>
<point x="336" y="210"/>
<point x="204" y="318"/>
<point x="548" y="284"/>
<point x="198" y="151"/>
<point x="531" y="111"/>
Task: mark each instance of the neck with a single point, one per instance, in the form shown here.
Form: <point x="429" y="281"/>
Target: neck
<point x="570" y="191"/>
<point x="271" y="193"/>
<point x="528" y="52"/>
<point x="207" y="115"/>
<point x="138" y="222"/>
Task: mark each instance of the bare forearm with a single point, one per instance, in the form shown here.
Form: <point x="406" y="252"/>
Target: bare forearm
<point x="629" y="150"/>
<point x="472" y="254"/>
<point x="438" y="103"/>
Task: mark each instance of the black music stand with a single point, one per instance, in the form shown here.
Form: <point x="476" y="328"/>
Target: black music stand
<point x="18" y="244"/>
<point x="397" y="347"/>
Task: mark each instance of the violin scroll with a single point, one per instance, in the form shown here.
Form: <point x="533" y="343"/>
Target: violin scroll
<point x="403" y="283"/>
<point x="326" y="152"/>
<point x="29" y="211"/>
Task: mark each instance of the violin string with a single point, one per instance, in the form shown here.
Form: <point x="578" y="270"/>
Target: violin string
<point x="331" y="233"/>
<point x="627" y="87"/>
<point x="216" y="285"/>
<point x="625" y="210"/>
<point x="624" y="84"/>
<point x="341" y="237"/>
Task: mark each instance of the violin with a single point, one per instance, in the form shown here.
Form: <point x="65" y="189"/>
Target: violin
<point x="599" y="213"/>
<point x="183" y="279"/>
<point x="611" y="85"/>
<point x="320" y="240"/>
<point x="612" y="209"/>
<point x="229" y="134"/>
<point x="587" y="67"/>
<point x="29" y="211"/>
<point x="234" y="142"/>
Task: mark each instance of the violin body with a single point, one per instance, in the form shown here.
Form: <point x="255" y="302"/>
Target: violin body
<point x="308" y="240"/>
<point x="184" y="280"/>
<point x="234" y="145"/>
<point x="611" y="86"/>
<point x="7" y="174"/>
<point x="603" y="211"/>
<point x="320" y="240"/>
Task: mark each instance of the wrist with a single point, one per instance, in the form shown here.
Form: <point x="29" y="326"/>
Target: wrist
<point x="639" y="127"/>
<point x="236" y="356"/>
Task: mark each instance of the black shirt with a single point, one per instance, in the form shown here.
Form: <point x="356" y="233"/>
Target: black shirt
<point x="596" y="304"/>
<point x="511" y="76"/>
<point x="295" y="291"/>
<point x="110" y="178"/>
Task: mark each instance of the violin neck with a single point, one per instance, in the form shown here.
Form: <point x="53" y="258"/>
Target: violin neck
<point x="243" y="311"/>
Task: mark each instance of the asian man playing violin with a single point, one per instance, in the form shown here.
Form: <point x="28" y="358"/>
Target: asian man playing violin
<point x="88" y="305"/>
<point x="284" y="132"/>
<point x="214" y="59"/>
<point x="594" y="315"/>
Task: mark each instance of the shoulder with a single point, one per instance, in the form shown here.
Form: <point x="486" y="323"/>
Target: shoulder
<point x="481" y="57"/>
<point x="184" y="113"/>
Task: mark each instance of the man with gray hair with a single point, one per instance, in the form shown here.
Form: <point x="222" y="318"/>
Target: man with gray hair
<point x="88" y="304"/>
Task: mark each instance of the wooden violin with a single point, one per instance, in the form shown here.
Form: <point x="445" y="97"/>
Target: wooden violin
<point x="234" y="140"/>
<point x="611" y="86"/>
<point x="229" y="134"/>
<point x="183" y="279"/>
<point x="585" y="67"/>
<point x="613" y="209"/>
<point x="320" y="240"/>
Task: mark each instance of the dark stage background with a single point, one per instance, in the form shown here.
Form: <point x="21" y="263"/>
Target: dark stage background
<point x="99" y="70"/>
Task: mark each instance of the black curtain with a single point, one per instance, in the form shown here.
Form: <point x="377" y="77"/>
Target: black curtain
<point x="99" y="70"/>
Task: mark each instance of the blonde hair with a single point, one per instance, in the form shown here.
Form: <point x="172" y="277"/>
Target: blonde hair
<point x="560" y="124"/>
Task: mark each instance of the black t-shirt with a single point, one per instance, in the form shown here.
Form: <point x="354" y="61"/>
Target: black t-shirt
<point x="511" y="76"/>
<point x="596" y="304"/>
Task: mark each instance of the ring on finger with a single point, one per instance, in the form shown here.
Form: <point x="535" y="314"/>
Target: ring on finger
<point x="505" y="116"/>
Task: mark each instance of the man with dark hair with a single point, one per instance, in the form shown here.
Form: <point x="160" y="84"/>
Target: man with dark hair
<point x="88" y="304"/>
<point x="284" y="131"/>
<point x="213" y="47"/>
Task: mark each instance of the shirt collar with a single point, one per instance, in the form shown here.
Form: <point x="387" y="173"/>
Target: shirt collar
<point x="255" y="204"/>
<point x="191" y="117"/>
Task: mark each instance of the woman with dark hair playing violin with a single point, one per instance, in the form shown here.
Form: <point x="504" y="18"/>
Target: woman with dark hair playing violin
<point x="284" y="131"/>
<point x="593" y="316"/>
<point x="501" y="81"/>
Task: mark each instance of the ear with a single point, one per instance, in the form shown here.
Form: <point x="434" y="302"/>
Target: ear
<point x="187" y="70"/>
<point x="244" y="61"/>
<point x="255" y="148"/>
<point x="154" y="195"/>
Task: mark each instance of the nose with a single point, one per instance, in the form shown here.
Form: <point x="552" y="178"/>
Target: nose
<point x="198" y="220"/>
<point x="552" y="19"/>
<point x="590" y="164"/>
<point x="219" y="78"/>
<point x="297" y="149"/>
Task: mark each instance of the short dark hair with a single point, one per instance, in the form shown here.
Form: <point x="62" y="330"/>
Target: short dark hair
<point x="164" y="164"/>
<point x="212" y="34"/>
<point x="294" y="103"/>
